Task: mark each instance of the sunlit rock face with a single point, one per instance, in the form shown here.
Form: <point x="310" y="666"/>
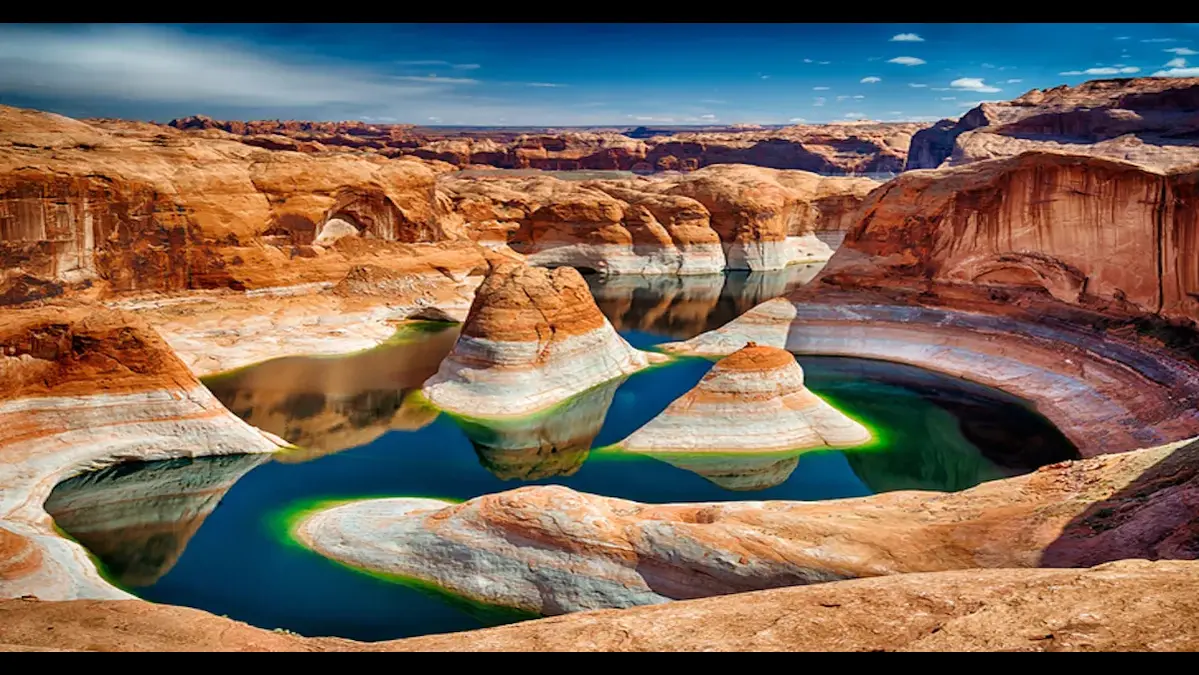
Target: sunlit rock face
<point x="534" y="338"/>
<point x="727" y="216"/>
<point x="137" y="519"/>
<point x="552" y="550"/>
<point x="1146" y="120"/>
<point x="85" y="389"/>
<point x="539" y="446"/>
<point x="752" y="401"/>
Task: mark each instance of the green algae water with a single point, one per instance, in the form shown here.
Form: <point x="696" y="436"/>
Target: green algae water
<point x="213" y="533"/>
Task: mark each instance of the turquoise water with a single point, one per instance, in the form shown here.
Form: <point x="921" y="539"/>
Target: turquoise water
<point x="210" y="533"/>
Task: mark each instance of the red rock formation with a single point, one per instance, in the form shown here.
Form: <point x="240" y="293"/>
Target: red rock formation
<point x="1148" y="120"/>
<point x="832" y="148"/>
<point x="134" y="206"/>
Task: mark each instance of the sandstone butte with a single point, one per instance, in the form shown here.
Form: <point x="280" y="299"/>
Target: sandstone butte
<point x="721" y="217"/>
<point x="84" y="389"/>
<point x="534" y="338"/>
<point x="752" y="401"/>
<point x="551" y="550"/>
<point x="1146" y="120"/>
<point x="851" y="147"/>
<point x="1067" y="280"/>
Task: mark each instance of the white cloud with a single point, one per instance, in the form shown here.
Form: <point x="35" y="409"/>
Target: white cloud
<point x="1123" y="37"/>
<point x="438" y="80"/>
<point x="917" y="85"/>
<point x="895" y="112"/>
<point x="854" y="115"/>
<point x="1160" y="40"/>
<point x="807" y="60"/>
<point x="467" y="66"/>
<point x="1015" y="81"/>
<point x="973" y="84"/>
<point x="543" y="84"/>
<point x="820" y="88"/>
<point x="859" y="96"/>
<point x="824" y="63"/>
<point x="1106" y="70"/>
<point x="870" y="80"/>
<point x="712" y="100"/>
<point x="819" y="101"/>
<point x="709" y="116"/>
<point x="949" y="98"/>
<point x="1177" y="63"/>
<point x="434" y="119"/>
<point x="1178" y="72"/>
<point x="797" y="119"/>
<point x="907" y="61"/>
<point x="1182" y="51"/>
<point x="843" y="98"/>
<point x="907" y="37"/>
<point x="142" y="63"/>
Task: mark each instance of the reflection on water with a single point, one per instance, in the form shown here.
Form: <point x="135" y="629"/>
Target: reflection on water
<point x="681" y="307"/>
<point x="329" y="404"/>
<point x="367" y="434"/>
<point x="541" y="446"/>
<point x="138" y="518"/>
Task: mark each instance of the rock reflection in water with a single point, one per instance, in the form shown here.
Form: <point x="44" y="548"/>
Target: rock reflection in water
<point x="325" y="405"/>
<point x="137" y="518"/>
<point x="737" y="473"/>
<point x="682" y="307"/>
<point x="552" y="444"/>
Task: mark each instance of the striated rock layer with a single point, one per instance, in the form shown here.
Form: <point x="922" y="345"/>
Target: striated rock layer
<point x="1146" y="120"/>
<point x="721" y="217"/>
<point x="552" y="550"/>
<point x="534" y="338"/>
<point x="1066" y="280"/>
<point x="83" y="390"/>
<point x="751" y="401"/>
<point x="850" y="147"/>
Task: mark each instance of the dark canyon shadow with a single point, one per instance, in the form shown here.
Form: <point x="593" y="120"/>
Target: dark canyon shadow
<point x="1154" y="517"/>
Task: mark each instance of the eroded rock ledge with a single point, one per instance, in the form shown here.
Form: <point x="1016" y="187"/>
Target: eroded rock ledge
<point x="85" y="389"/>
<point x="552" y="550"/>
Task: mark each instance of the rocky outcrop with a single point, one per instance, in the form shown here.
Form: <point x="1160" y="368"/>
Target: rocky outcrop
<point x="721" y="217"/>
<point x="840" y="148"/>
<point x="752" y="401"/>
<point x="596" y="552"/>
<point x="139" y="207"/>
<point x="1132" y="605"/>
<point x="85" y="389"/>
<point x="533" y="338"/>
<point x="1149" y="121"/>
<point x="591" y="552"/>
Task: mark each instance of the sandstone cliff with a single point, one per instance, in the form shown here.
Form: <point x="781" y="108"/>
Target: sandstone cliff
<point x="844" y="148"/>
<point x="1150" y="121"/>
<point x="131" y="206"/>
<point x="722" y="217"/>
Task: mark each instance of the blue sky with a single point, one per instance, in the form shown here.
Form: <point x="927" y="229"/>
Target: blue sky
<point x="568" y="74"/>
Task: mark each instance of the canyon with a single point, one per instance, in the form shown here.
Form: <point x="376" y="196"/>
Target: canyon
<point x="1044" y="247"/>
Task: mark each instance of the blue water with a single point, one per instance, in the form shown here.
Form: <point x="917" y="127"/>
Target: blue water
<point x="936" y="433"/>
